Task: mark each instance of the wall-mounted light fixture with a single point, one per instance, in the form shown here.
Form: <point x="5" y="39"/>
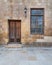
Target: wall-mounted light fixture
<point x="25" y="11"/>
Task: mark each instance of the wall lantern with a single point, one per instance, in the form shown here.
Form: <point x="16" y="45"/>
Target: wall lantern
<point x="25" y="12"/>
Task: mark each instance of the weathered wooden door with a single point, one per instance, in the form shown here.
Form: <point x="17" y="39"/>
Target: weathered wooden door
<point x="14" y="30"/>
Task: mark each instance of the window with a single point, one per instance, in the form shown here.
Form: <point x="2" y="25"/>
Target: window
<point x="37" y="21"/>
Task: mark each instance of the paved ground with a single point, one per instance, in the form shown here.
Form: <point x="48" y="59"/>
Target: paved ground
<point x="25" y="56"/>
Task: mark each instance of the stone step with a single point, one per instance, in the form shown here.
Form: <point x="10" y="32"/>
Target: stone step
<point x="35" y="44"/>
<point x="13" y="46"/>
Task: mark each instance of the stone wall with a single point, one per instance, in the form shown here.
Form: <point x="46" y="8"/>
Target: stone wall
<point x="14" y="9"/>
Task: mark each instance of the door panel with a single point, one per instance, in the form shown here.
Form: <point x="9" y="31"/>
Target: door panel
<point x="14" y="31"/>
<point x="18" y="31"/>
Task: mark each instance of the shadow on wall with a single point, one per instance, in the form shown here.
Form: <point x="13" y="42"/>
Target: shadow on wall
<point x="3" y="36"/>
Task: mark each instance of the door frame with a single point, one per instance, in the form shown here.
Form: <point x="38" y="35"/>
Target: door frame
<point x="9" y="28"/>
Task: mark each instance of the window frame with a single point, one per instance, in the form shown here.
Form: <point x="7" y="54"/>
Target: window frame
<point x="41" y="33"/>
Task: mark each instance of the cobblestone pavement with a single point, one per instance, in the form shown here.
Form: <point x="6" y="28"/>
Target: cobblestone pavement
<point x="26" y="56"/>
